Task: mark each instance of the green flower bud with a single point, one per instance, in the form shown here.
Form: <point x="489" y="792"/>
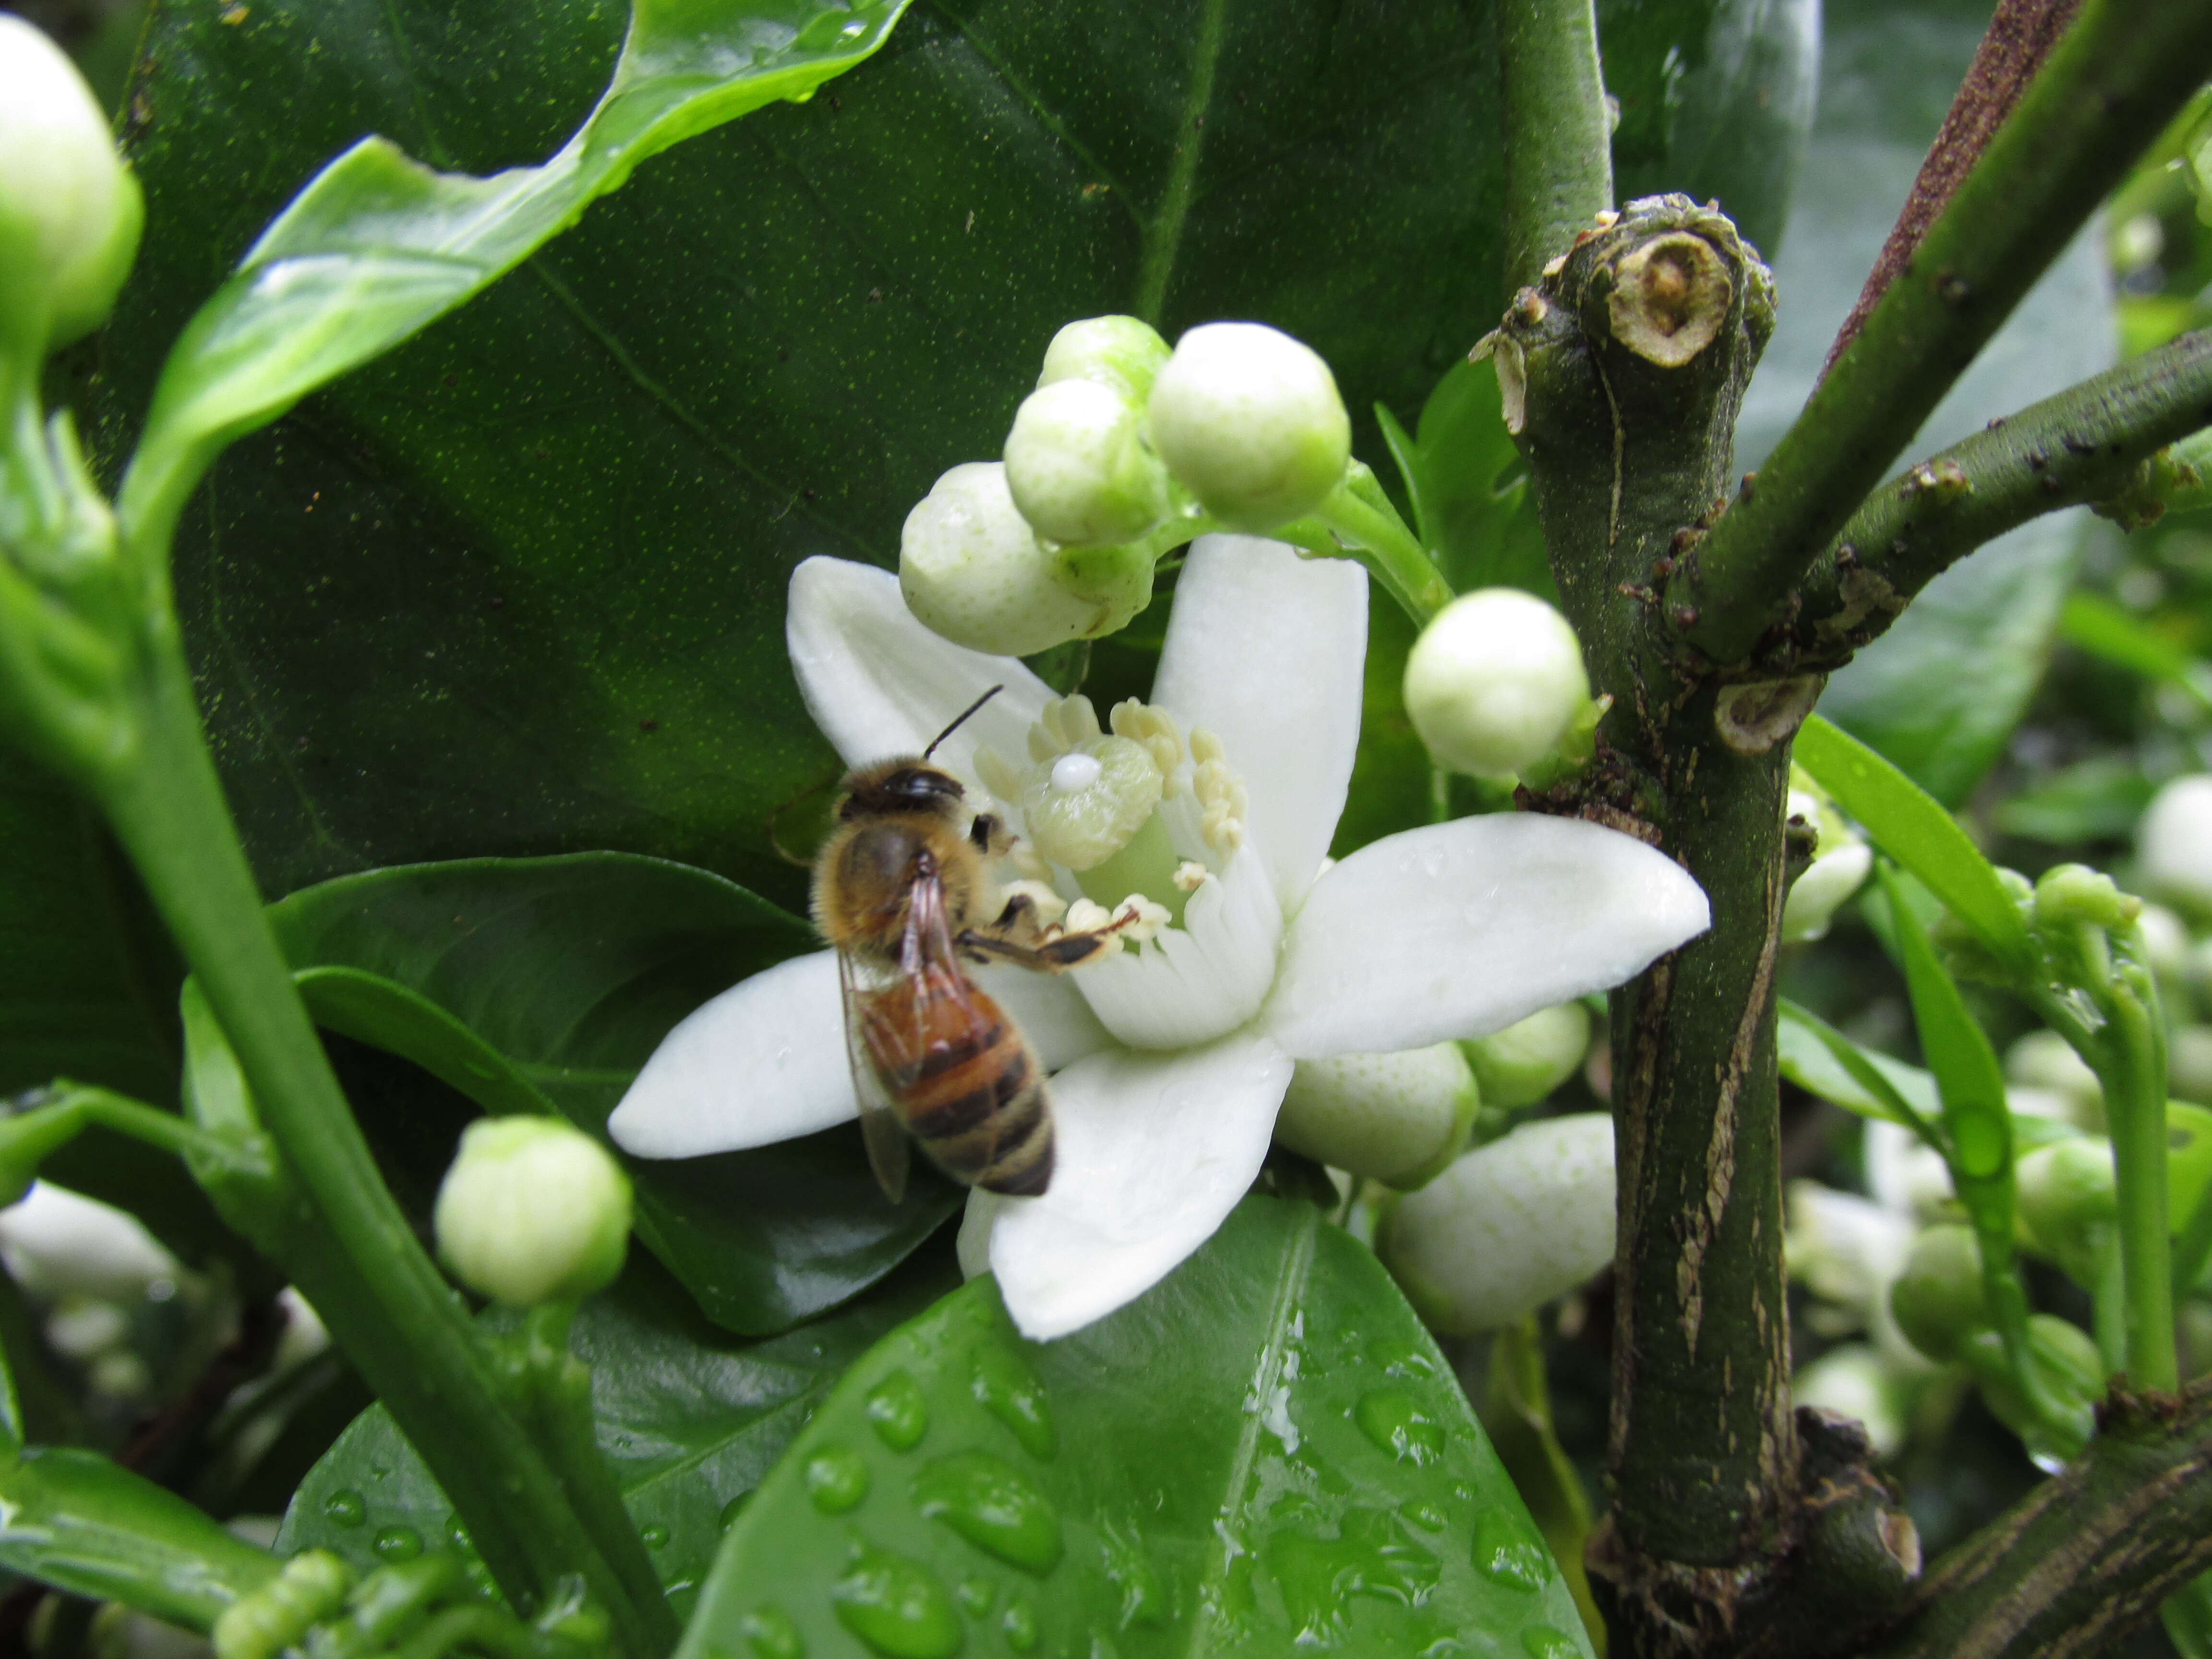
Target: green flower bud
<point x="2066" y="1197"/>
<point x="263" y="1624"/>
<point x="1250" y="421"/>
<point x="1079" y="468"/>
<point x="1522" y="1064"/>
<point x="2067" y="895"/>
<point x="1494" y="682"/>
<point x="1508" y="1227"/>
<point x="1938" y="1301"/>
<point x="1400" y="1118"/>
<point x="973" y="570"/>
<point x="533" y="1210"/>
<point x="2173" y="843"/>
<point x="2072" y="1372"/>
<point x="69" y="210"/>
<point x="1120" y="352"/>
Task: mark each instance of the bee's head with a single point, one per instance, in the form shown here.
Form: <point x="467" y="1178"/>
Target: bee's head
<point x="904" y="785"/>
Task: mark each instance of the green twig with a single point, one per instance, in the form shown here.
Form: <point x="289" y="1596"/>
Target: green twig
<point x="2086" y="444"/>
<point x="2105" y="92"/>
<point x="353" y="1253"/>
<point x="1558" y="132"/>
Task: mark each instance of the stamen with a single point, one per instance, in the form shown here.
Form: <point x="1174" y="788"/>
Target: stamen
<point x="1190" y="875"/>
<point x="1147" y="918"/>
<point x="1222" y="799"/>
<point x="1156" y="729"/>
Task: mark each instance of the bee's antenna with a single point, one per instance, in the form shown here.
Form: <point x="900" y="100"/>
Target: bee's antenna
<point x="959" y="719"/>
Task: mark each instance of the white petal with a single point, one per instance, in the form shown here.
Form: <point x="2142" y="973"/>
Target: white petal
<point x="1198" y="982"/>
<point x="1152" y="1152"/>
<point x="764" y="1061"/>
<point x="1050" y="1010"/>
<point x="1267" y="651"/>
<point x="972" y="1248"/>
<point x="1460" y="929"/>
<point x="879" y="684"/>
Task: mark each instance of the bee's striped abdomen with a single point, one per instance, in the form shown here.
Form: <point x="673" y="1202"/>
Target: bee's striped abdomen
<point x="977" y="1099"/>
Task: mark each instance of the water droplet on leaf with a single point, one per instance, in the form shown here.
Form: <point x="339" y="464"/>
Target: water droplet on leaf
<point x="1506" y="1552"/>
<point x="771" y="1635"/>
<point x="653" y="1536"/>
<point x="1006" y="1387"/>
<point x="975" y="1596"/>
<point x="1542" y="1642"/>
<point x="1020" y="1625"/>
<point x="1425" y="1514"/>
<point x="836" y="1480"/>
<point x="732" y="1509"/>
<point x="1394" y="1421"/>
<point x="896" y="1606"/>
<point x="347" y="1508"/>
<point x="994" y="1506"/>
<point x="1373" y="1555"/>
<point x="397" y="1544"/>
<point x="895" y="1406"/>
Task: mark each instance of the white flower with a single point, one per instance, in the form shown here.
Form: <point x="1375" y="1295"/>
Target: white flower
<point x="1171" y="1058"/>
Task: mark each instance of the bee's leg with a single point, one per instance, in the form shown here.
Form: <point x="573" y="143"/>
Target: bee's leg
<point x="990" y="835"/>
<point x="1051" y="956"/>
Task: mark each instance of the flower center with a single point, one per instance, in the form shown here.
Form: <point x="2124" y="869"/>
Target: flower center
<point x="1091" y="801"/>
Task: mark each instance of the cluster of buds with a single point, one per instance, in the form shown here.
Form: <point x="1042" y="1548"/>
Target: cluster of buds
<point x="70" y="211"/>
<point x="1125" y="448"/>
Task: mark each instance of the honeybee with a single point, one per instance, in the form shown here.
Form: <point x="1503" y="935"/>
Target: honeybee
<point x="899" y="889"/>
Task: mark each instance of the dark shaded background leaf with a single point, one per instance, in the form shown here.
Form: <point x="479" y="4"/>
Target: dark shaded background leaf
<point x="690" y="1417"/>
<point x="1320" y="1482"/>
<point x="574" y="968"/>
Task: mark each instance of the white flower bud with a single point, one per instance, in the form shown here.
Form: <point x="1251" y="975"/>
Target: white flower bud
<point x="1250" y="421"/>
<point x="1841" y="862"/>
<point x="2165" y="942"/>
<point x="1399" y="1118"/>
<point x="1121" y="352"/>
<point x="973" y="570"/>
<point x="1851" y="1379"/>
<point x="2189" y="1063"/>
<point x="69" y="210"/>
<point x="1522" y="1064"/>
<point x="1507" y="1228"/>
<point x="2173" y="843"/>
<point x="532" y="1209"/>
<point x="2068" y="1190"/>
<point x="1494" y="681"/>
<point x="2045" y="1059"/>
<point x="1845" y="1249"/>
<point x="1079" y="468"/>
<point x="56" y="1243"/>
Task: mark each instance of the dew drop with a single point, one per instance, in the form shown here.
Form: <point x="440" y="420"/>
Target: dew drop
<point x="1004" y="1386"/>
<point x="975" y="1596"/>
<point x="994" y="1506"/>
<point x="896" y="1606"/>
<point x="1426" y="1514"/>
<point x="895" y="1406"/>
<point x="1019" y="1625"/>
<point x="1400" y="1362"/>
<point x="1504" y="1551"/>
<point x="1542" y="1642"/>
<point x="397" y="1544"/>
<point x="732" y="1509"/>
<point x="1373" y="1555"/>
<point x="836" y="1480"/>
<point x="457" y="1534"/>
<point x="770" y="1634"/>
<point x="653" y="1536"/>
<point x="1394" y="1421"/>
<point x="346" y="1508"/>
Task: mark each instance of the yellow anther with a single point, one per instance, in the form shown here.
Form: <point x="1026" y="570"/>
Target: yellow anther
<point x="1156" y="729"/>
<point x="1190" y="875"/>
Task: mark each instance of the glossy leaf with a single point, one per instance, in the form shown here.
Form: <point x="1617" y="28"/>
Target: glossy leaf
<point x="82" y="1524"/>
<point x="1913" y="829"/>
<point x="1469" y="487"/>
<point x="1823" y="1061"/>
<point x="525" y="982"/>
<point x="689" y="1419"/>
<point x="1264" y="1453"/>
<point x="378" y="246"/>
<point x="2105" y="629"/>
<point x="1941" y="691"/>
<point x="519" y="586"/>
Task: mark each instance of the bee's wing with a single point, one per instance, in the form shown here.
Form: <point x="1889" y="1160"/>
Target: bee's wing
<point x="888" y="1150"/>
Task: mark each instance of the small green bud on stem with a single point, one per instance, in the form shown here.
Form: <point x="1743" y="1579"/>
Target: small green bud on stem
<point x="1939" y="1300"/>
<point x="1522" y="1064"/>
<point x="1398" y="1118"/>
<point x="1121" y="352"/>
<point x="533" y="1210"/>
<point x="1079" y="468"/>
<point x="1250" y="421"/>
<point x="1494" y="682"/>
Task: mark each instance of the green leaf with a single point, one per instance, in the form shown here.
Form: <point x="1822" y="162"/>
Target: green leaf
<point x="1469" y="487"/>
<point x="1909" y="825"/>
<point x="2098" y="799"/>
<point x="1941" y="692"/>
<point x="82" y="1524"/>
<point x="1823" y="1061"/>
<point x="1264" y="1453"/>
<point x="519" y="586"/>
<point x="2096" y="624"/>
<point x="689" y="1419"/>
<point x="522" y="982"/>
<point x="378" y="246"/>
